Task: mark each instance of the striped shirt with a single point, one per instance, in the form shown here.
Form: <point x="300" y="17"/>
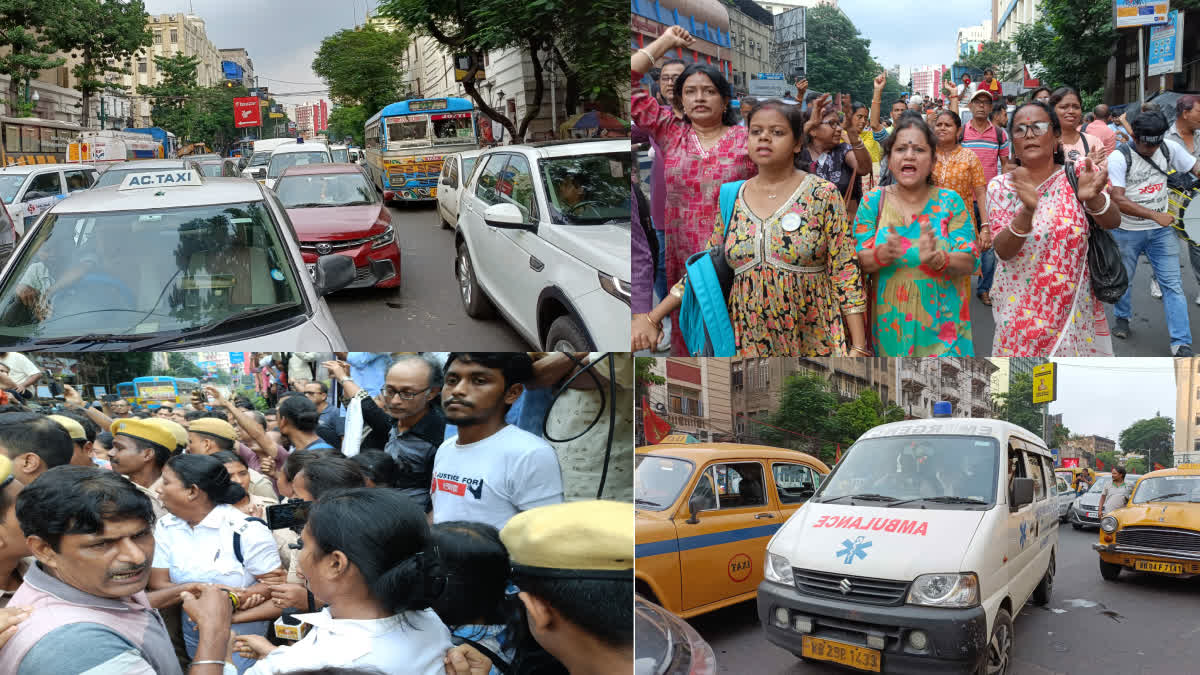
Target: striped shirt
<point x="983" y="144"/>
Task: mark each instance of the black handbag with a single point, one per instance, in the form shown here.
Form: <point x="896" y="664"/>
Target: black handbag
<point x="1107" y="269"/>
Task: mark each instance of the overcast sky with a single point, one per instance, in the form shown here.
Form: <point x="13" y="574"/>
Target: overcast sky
<point x="914" y="32"/>
<point x="1104" y="396"/>
<point x="281" y="36"/>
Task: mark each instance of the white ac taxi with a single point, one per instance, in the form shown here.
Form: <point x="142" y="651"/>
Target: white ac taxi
<point x="918" y="550"/>
<point x="168" y="259"/>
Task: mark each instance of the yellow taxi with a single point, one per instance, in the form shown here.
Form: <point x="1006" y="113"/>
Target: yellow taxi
<point x="1159" y="530"/>
<point x="705" y="512"/>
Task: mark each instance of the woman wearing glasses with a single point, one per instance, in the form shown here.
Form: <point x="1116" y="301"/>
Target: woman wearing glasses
<point x="1043" y="301"/>
<point x="829" y="154"/>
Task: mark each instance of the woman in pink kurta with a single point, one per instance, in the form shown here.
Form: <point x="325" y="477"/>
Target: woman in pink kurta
<point x="701" y="150"/>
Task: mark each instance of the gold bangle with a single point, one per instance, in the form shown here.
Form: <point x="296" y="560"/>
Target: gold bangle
<point x="657" y="325"/>
<point x="643" y="51"/>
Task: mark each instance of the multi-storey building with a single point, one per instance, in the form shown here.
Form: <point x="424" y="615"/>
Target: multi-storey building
<point x="1085" y="449"/>
<point x="781" y="6"/>
<point x="241" y="57"/>
<point x="927" y="81"/>
<point x="695" y="399"/>
<point x="1009" y="15"/>
<point x="970" y="38"/>
<point x="750" y="33"/>
<point x="1187" y="410"/>
<point x="172" y="34"/>
<point x="964" y="382"/>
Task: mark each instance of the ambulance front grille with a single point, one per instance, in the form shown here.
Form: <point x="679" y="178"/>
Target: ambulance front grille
<point x="1160" y="538"/>
<point x="861" y="589"/>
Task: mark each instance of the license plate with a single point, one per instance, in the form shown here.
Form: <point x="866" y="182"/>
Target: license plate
<point x="312" y="270"/>
<point x="836" y="652"/>
<point x="1150" y="566"/>
<point x="1092" y="514"/>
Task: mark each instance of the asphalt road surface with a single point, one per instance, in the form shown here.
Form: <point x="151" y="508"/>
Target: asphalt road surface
<point x="425" y="313"/>
<point x="1143" y="624"/>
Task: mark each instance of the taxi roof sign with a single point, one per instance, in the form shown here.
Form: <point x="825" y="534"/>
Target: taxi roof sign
<point x="161" y="178"/>
<point x="1188" y="466"/>
<point x="678" y="439"/>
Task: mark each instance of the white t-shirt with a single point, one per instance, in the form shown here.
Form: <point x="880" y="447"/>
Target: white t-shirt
<point x="492" y="480"/>
<point x="386" y="644"/>
<point x="204" y="553"/>
<point x="20" y="368"/>
<point x="1144" y="185"/>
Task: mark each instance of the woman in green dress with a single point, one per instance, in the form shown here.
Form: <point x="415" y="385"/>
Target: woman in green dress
<point x="920" y="253"/>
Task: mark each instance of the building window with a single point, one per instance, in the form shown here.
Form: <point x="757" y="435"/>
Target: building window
<point x="764" y="373"/>
<point x="158" y="37"/>
<point x="736" y="377"/>
<point x="141" y="65"/>
<point x="174" y="36"/>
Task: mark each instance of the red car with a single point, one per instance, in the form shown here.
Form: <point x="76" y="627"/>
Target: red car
<point x="335" y="209"/>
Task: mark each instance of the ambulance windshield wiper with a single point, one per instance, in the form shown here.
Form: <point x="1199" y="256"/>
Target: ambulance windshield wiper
<point x="866" y="496"/>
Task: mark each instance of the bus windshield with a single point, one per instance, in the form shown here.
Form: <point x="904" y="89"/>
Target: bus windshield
<point x="399" y="130"/>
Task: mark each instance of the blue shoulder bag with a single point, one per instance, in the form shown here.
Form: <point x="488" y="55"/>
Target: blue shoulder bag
<point x="704" y="314"/>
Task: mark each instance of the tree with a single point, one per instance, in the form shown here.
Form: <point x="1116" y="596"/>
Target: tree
<point x="103" y="34"/>
<point x="997" y="55"/>
<point x="856" y="417"/>
<point x="1016" y="405"/>
<point x="180" y="365"/>
<point x="839" y="59"/>
<point x="168" y="98"/>
<point x="362" y="67"/>
<point x="1071" y="44"/>
<point x="24" y="28"/>
<point x="348" y="120"/>
<point x="113" y="368"/>
<point x="1060" y="436"/>
<point x="1155" y="436"/>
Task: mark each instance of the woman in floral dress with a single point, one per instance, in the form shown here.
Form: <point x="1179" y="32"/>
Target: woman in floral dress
<point x="920" y="251"/>
<point x="796" y="288"/>
<point x="701" y="151"/>
<point x="1043" y="301"/>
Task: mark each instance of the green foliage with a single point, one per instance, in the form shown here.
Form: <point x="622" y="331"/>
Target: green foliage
<point x="997" y="55"/>
<point x="348" y="120"/>
<point x="193" y="113"/>
<point x="100" y="32"/>
<point x="642" y="374"/>
<point x="111" y="368"/>
<point x="1155" y="436"/>
<point x="1109" y="458"/>
<point x="362" y="66"/>
<point x="25" y="28"/>
<point x="1134" y="465"/>
<point x="1072" y="43"/>
<point x="1016" y="405"/>
<point x="839" y="59"/>
<point x="1060" y="435"/>
<point x="182" y="366"/>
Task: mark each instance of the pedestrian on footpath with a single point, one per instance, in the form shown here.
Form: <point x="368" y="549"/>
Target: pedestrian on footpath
<point x="1186" y="132"/>
<point x="1101" y="127"/>
<point x="1139" y="189"/>
<point x="1116" y="494"/>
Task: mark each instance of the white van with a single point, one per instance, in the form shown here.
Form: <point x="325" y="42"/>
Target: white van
<point x="295" y="154"/>
<point x="918" y="550"/>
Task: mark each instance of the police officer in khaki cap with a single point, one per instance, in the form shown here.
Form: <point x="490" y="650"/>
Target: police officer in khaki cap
<point x="573" y="564"/>
<point x="207" y="435"/>
<point x="82" y="455"/>
<point x="176" y="429"/>
<point x="140" y="450"/>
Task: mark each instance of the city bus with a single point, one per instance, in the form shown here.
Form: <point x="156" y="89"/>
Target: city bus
<point x="32" y="140"/>
<point x="406" y="141"/>
<point x="152" y="391"/>
<point x="127" y="391"/>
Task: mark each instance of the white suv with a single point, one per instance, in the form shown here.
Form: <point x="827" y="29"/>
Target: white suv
<point x="30" y="189"/>
<point x="543" y="237"/>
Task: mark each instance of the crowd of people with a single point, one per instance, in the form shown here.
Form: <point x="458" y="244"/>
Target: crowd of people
<point x="815" y="227"/>
<point x="410" y="513"/>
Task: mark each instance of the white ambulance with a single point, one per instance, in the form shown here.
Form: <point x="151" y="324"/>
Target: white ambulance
<point x="918" y="550"/>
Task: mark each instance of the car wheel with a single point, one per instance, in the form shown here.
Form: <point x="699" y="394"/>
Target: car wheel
<point x="1041" y="594"/>
<point x="999" y="647"/>
<point x="476" y="304"/>
<point x="1110" y="571"/>
<point x="565" y="335"/>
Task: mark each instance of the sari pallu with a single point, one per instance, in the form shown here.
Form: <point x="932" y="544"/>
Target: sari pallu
<point x="1042" y="297"/>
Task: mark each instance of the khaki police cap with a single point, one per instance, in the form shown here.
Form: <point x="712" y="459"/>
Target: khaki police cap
<point x="588" y="539"/>
<point x="213" y="427"/>
<point x="144" y="430"/>
<point x="174" y="428"/>
<point x="73" y="427"/>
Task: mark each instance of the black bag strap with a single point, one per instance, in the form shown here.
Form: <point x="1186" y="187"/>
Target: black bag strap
<point x="1083" y="137"/>
<point x="497" y="662"/>
<point x="237" y="537"/>
<point x="1127" y="152"/>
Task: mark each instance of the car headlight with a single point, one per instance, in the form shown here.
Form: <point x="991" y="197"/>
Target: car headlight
<point x="778" y="569"/>
<point x="1108" y="524"/>
<point x="615" y="287"/>
<point x="386" y="237"/>
<point x="945" y="590"/>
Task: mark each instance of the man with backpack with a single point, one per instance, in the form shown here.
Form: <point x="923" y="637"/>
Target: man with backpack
<point x="993" y="148"/>
<point x="1139" y="173"/>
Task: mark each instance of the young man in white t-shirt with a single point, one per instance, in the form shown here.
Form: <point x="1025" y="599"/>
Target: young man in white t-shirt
<point x="490" y="471"/>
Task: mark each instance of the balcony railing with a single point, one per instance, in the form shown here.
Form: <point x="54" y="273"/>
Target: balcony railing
<point x="682" y="422"/>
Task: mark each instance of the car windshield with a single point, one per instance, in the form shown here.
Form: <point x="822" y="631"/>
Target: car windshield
<point x="331" y="189"/>
<point x="9" y="184"/>
<point x="213" y="169"/>
<point x="919" y="468"/>
<point x="588" y="189"/>
<point x="657" y="481"/>
<point x="1168" y="489"/>
<point x="192" y="266"/>
<point x="115" y="175"/>
<point x="260" y="158"/>
<point x="1101" y="483"/>
<point x="281" y="162"/>
<point x="340" y="155"/>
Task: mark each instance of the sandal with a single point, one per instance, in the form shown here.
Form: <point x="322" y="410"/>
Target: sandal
<point x="985" y="297"/>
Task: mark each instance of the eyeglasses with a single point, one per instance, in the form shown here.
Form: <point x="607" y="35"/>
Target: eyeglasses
<point x="389" y="392"/>
<point x="836" y="124"/>
<point x="1038" y="129"/>
<point x="667" y="78"/>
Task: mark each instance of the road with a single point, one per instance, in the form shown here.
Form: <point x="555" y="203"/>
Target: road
<point x="425" y="313"/>
<point x="1142" y="624"/>
<point x="1148" y="336"/>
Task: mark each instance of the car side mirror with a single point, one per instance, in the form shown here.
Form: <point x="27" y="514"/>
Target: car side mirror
<point x="506" y="217"/>
<point x="334" y="272"/>
<point x="260" y="173"/>
<point x="695" y="505"/>
<point x="1022" y="492"/>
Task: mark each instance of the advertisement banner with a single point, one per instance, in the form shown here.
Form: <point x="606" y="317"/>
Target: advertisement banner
<point x="1166" y="46"/>
<point x="1134" y="13"/>
<point x="246" y="112"/>
<point x="1070" y="462"/>
<point x="769" y="85"/>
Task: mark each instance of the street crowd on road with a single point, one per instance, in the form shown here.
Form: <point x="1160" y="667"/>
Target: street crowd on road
<point x="417" y="511"/>
<point x="815" y="229"/>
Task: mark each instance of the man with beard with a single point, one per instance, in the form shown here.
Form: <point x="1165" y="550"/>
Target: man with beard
<point x="491" y="470"/>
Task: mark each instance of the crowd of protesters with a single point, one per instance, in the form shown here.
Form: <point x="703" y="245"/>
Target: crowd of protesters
<point x="409" y="513"/>
<point x="813" y="228"/>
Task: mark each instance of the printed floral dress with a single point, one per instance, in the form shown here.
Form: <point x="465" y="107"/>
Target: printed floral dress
<point x="917" y="311"/>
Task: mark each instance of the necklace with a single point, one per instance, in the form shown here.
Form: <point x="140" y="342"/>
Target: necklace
<point x="706" y="138"/>
<point x="772" y="191"/>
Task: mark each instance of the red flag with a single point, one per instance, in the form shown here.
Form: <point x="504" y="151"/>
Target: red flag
<point x="838" y="458"/>
<point x="1099" y="464"/>
<point x="656" y="427"/>
<point x="1158" y="467"/>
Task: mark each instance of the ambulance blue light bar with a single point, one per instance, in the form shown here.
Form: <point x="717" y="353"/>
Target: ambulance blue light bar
<point x="161" y="178"/>
<point x="942" y="409"/>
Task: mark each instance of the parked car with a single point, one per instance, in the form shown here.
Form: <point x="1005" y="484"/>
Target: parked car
<point x="334" y="209"/>
<point x="295" y="154"/>
<point x="456" y="172"/>
<point x="1085" y="510"/>
<point x="1066" y="496"/>
<point x="665" y="644"/>
<point x="30" y="189"/>
<point x="543" y="238"/>
<point x="1158" y="530"/>
<point x="340" y="154"/>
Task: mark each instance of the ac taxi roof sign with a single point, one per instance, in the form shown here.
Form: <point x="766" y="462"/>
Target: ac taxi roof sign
<point x="161" y="178"/>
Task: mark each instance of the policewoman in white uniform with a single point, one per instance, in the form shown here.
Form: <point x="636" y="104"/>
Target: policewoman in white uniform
<point x="367" y="553"/>
<point x="204" y="538"/>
